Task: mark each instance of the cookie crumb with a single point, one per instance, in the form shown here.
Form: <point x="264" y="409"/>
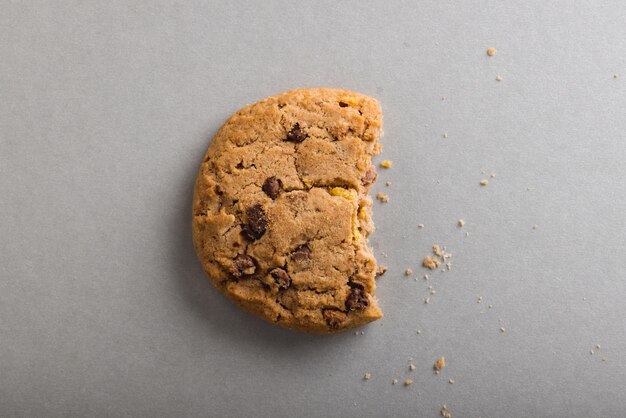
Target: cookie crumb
<point x="597" y="346"/>
<point x="420" y="225"/>
<point x="432" y="292"/>
<point x="426" y="301"/>
<point x="451" y="381"/>
<point x="408" y="272"/>
<point x="385" y="163"/>
<point x="535" y="226"/>
<point x="490" y="306"/>
<point x="382" y="197"/>
<point x="480" y="299"/>
<point x="426" y="277"/>
<point x="502" y="329"/>
<point x="431" y="262"/>
<point x="461" y="223"/>
<point x="440" y="364"/>
<point x="603" y="359"/>
<point x="381" y="270"/>
<point x="491" y="51"/>
<point x="367" y="376"/>
<point x="484" y="182"/>
<point x="615" y="75"/>
<point x="394" y="382"/>
<point x="498" y="78"/>
<point x="419" y="331"/>
<point x="467" y="234"/>
<point x="591" y="352"/>
<point x="411" y="367"/>
<point x="408" y="382"/>
<point x="388" y="184"/>
<point x="437" y="250"/>
<point x="445" y="413"/>
<point x="492" y="175"/>
<point x="445" y="134"/>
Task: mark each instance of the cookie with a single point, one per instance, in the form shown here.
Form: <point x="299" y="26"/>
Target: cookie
<point x="281" y="211"/>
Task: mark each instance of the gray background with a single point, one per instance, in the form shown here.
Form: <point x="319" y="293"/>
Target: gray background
<point x="106" y="109"/>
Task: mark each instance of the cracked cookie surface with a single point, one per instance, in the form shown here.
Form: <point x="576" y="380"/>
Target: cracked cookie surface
<point x="281" y="211"/>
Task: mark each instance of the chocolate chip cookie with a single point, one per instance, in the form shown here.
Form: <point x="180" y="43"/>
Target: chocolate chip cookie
<point x="281" y="211"/>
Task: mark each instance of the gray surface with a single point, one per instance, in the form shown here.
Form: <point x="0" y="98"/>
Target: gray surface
<point x="106" y="109"/>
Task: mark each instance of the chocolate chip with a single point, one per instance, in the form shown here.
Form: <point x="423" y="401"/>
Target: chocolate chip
<point x="296" y="134"/>
<point x="257" y="223"/>
<point x="218" y="190"/>
<point x="343" y="104"/>
<point x="272" y="187"/>
<point x="281" y="278"/>
<point x="334" y="318"/>
<point x="369" y="177"/>
<point x="302" y="253"/>
<point x="243" y="265"/>
<point x="357" y="300"/>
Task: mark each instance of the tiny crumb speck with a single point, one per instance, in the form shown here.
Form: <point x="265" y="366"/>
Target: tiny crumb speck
<point x="440" y="363"/>
<point x="451" y="381"/>
<point x="502" y="329"/>
<point x="461" y="223"/>
<point x="615" y="75"/>
<point x="381" y="270"/>
<point x="426" y="277"/>
<point x="591" y="352"/>
<point x="394" y="382"/>
<point x="492" y="175"/>
<point x="388" y="184"/>
<point x="411" y="367"/>
<point x="419" y="331"/>
<point x="491" y="51"/>
<point x="445" y="413"/>
<point x="408" y="272"/>
<point x="367" y="376"/>
<point x="490" y="306"/>
<point x="498" y="78"/>
<point x="597" y="346"/>
<point x="480" y="299"/>
<point x="408" y="382"/>
<point x="385" y="163"/>
<point x="426" y="301"/>
<point x="445" y="134"/>
<point x="484" y="182"/>
<point x="431" y="262"/>
<point x="420" y="225"/>
<point x="535" y="226"/>
<point x="382" y="197"/>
